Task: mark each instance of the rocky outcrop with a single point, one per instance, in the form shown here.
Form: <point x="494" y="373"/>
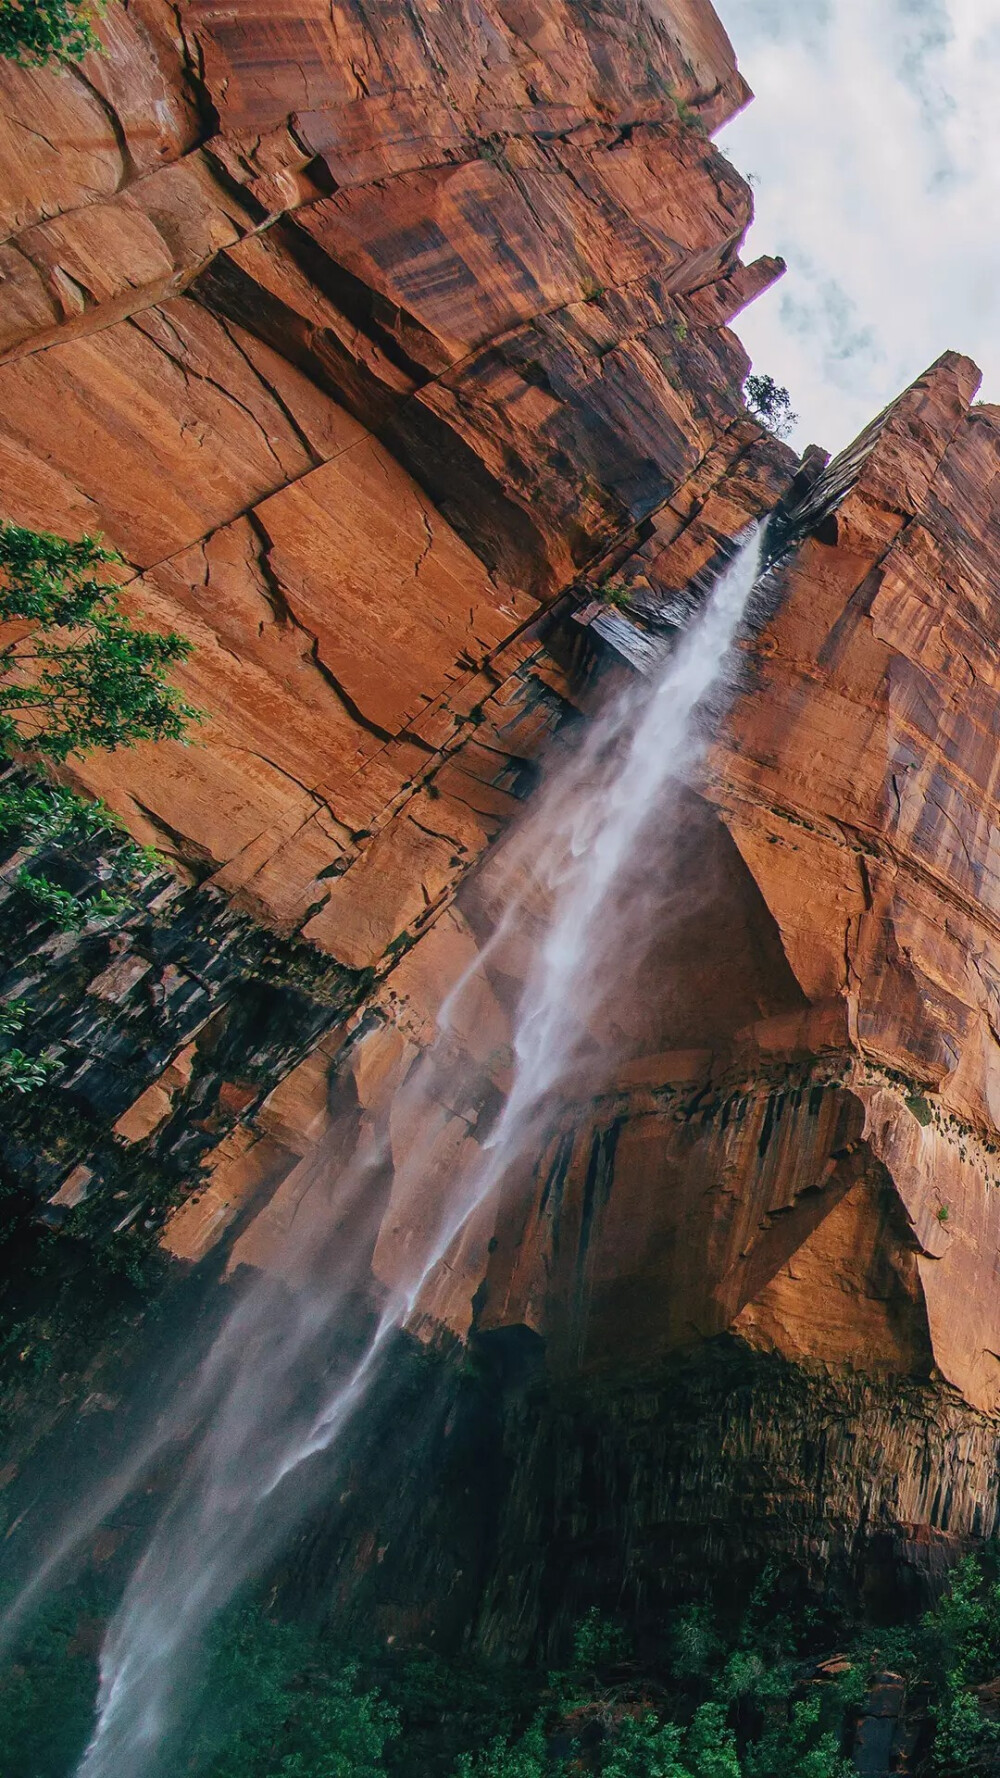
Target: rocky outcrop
<point x="835" y="1031"/>
<point x="165" y="1023"/>
<point x="827" y="1054"/>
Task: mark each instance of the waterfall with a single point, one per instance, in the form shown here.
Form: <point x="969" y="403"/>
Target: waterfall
<point x="284" y="1377"/>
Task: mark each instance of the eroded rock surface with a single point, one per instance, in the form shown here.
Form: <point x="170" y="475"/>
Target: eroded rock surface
<point x="358" y="332"/>
<point x="799" y="1148"/>
<point x="382" y="342"/>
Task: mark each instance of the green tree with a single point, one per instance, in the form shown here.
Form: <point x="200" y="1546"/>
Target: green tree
<point x="647" y="1748"/>
<point x="272" y="1708"/>
<point x="964" y="1627"/>
<point x="38" y="31"/>
<point x="710" y="1745"/>
<point x="961" y="1639"/>
<point x="769" y="403"/>
<point x="525" y="1758"/>
<point x="696" y="1648"/>
<point x="47" y="1693"/>
<point x="966" y="1743"/>
<point x="798" y="1748"/>
<point x="79" y="674"/>
<point x="597" y="1642"/>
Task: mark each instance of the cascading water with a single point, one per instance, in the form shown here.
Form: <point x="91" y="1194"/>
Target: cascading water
<point x="283" y="1379"/>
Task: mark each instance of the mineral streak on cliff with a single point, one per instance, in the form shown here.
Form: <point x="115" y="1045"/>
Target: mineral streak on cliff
<point x="380" y="340"/>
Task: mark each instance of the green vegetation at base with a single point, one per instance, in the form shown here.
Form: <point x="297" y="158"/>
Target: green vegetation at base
<point x="277" y="1700"/>
<point x="275" y="1704"/>
<point x="38" y="31"/>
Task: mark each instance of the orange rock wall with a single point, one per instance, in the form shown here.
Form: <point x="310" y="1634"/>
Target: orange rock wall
<point x="359" y="331"/>
<point x="801" y="1143"/>
<point x="362" y="334"/>
<point x="856" y="775"/>
<point x="744" y="1307"/>
<point x="377" y="338"/>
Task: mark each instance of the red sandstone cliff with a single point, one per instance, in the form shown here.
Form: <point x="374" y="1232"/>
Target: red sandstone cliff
<point x="366" y="334"/>
<point x="357" y="334"/>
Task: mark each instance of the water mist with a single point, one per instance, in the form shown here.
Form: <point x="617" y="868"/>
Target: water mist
<point x="283" y="1377"/>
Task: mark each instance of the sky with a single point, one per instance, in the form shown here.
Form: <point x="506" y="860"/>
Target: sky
<point x="874" y="148"/>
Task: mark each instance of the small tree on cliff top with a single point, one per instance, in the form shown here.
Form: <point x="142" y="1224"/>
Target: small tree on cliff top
<point x="38" y="31"/>
<point x="769" y="403"/>
<point x="79" y="674"/>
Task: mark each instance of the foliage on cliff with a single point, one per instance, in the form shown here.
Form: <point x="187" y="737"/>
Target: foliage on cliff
<point x="53" y="832"/>
<point x="75" y="674"/>
<point x="38" y="31"/>
<point x="79" y="674"/>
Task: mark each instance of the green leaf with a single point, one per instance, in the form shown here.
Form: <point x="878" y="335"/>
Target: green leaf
<point x="13" y="1016"/>
<point x="20" y="1073"/>
<point x="59" y="905"/>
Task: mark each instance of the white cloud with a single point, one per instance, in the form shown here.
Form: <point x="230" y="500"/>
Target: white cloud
<point x="874" y="141"/>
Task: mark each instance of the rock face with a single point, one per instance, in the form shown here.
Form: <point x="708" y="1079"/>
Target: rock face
<point x="846" y="778"/>
<point x="382" y="341"/>
<point x="358" y="333"/>
<point x="798" y="1152"/>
